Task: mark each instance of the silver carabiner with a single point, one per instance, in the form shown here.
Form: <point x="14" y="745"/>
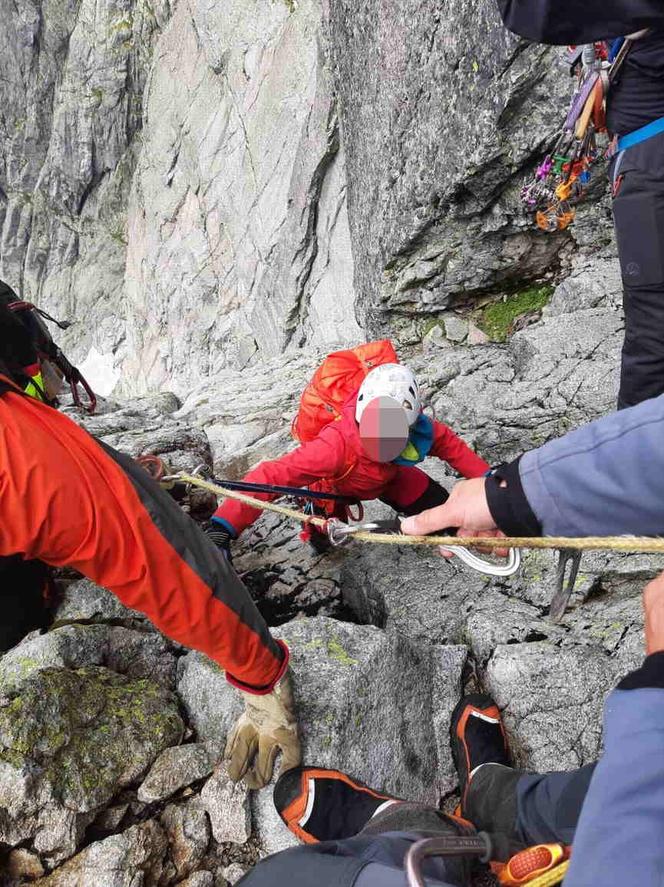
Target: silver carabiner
<point x="489" y="568"/>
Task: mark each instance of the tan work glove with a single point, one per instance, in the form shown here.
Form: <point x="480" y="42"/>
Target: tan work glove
<point x="268" y="726"/>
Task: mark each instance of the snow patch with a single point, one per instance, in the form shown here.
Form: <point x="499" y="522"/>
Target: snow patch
<point x="100" y="371"/>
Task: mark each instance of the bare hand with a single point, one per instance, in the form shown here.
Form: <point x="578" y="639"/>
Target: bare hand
<point x="653" y="606"/>
<point x="467" y="509"/>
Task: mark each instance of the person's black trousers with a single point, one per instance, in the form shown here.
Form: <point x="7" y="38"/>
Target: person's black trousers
<point x="637" y="179"/>
<point x="522" y="809"/>
<point x="23" y="586"/>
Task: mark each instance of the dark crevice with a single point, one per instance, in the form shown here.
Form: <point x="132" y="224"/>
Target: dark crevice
<point x="284" y="603"/>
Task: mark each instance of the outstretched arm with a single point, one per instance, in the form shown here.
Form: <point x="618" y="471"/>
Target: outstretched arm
<point x="69" y="501"/>
<point x="448" y="446"/>
<point x="605" y="478"/>
<point x="308" y="463"/>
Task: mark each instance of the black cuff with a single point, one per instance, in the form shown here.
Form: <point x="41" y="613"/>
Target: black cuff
<point x="650" y="675"/>
<point x="507" y="502"/>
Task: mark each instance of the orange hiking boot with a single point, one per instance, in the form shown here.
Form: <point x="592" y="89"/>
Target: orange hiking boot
<point x="326" y="805"/>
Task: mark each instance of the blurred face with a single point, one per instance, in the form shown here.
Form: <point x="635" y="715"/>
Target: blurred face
<point x="384" y="429"/>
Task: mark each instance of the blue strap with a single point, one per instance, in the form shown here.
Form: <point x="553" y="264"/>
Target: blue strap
<point x="225" y="525"/>
<point x="641" y="135"/>
<point x="615" y="47"/>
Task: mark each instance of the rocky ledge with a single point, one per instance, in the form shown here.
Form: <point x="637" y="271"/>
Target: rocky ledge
<point x="111" y="735"/>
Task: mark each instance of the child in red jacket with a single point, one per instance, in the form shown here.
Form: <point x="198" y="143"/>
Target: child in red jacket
<point x="341" y="460"/>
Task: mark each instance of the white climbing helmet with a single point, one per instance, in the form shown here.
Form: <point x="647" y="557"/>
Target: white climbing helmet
<point x="391" y="380"/>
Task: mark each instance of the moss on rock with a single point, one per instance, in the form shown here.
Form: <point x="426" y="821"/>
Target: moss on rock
<point x="87" y="732"/>
<point x="497" y="319"/>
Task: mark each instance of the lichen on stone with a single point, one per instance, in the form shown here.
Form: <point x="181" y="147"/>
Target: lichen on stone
<point x="497" y="319"/>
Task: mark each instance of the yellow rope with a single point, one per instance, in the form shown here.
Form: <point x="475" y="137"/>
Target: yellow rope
<point x="585" y="543"/>
<point x="548" y="879"/>
<point x="299" y="516"/>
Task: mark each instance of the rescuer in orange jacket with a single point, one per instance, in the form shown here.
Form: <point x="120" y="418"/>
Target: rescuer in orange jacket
<point x="346" y="457"/>
<point x="68" y="500"/>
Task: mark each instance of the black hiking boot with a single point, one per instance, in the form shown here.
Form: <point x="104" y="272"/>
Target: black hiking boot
<point x="477" y="737"/>
<point x="325" y="805"/>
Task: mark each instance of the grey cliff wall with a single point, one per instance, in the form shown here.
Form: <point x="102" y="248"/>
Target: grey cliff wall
<point x="172" y="177"/>
<point x="443" y="113"/>
<point x="204" y="185"/>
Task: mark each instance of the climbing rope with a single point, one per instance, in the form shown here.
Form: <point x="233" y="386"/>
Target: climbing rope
<point x="548" y="879"/>
<point x="632" y="544"/>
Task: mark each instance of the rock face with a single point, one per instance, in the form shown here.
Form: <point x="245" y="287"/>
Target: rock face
<point x="207" y="184"/>
<point x="240" y="186"/>
<point x="73" y="77"/>
<point x="458" y="111"/>
<point x="70" y="739"/>
<point x="220" y="191"/>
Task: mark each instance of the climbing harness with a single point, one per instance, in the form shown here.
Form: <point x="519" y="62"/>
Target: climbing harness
<point x="640" y="135"/>
<point x="627" y="544"/>
<point x="341" y="533"/>
<point x="562" y="178"/>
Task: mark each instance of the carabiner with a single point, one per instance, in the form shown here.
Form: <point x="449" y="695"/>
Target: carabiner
<point x="488" y="568"/>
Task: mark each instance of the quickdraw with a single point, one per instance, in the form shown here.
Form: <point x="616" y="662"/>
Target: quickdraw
<point x="563" y="177"/>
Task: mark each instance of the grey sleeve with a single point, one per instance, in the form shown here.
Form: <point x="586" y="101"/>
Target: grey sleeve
<point x="618" y="838"/>
<point x="603" y="479"/>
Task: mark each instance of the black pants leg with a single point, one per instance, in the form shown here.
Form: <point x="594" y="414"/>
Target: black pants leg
<point x="638" y="207"/>
<point x="434" y="494"/>
<point x="22" y="592"/>
<point x="521" y="809"/>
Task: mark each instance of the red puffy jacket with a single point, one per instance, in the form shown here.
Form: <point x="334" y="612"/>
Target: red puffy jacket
<point x="336" y="462"/>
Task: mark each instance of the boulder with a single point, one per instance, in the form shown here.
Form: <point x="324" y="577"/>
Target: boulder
<point x="456" y="328"/>
<point x="199" y="879"/>
<point x="227" y="805"/>
<point x="174" y="769"/>
<point x="22" y="866"/>
<point x="188" y="833"/>
<point x="552" y="700"/>
<point x="234" y="873"/>
<point x="370" y="703"/>
<point x="148" y="425"/>
<point x="69" y="740"/>
<point x="83" y="601"/>
<point x="138" y="654"/>
<point x="133" y="857"/>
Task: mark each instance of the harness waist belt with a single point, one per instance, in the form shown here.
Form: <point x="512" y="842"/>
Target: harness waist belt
<point x="641" y="135"/>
